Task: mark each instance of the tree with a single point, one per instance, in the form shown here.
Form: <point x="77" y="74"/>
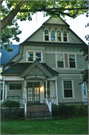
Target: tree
<point x="22" y="10"/>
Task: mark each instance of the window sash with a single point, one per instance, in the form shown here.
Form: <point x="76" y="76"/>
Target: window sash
<point x="15" y="86"/>
<point x="72" y="61"/>
<point x="60" y="60"/>
<point x="68" y="89"/>
<point x="46" y="35"/>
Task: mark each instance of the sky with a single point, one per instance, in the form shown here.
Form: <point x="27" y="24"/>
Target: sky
<point x="28" y="27"/>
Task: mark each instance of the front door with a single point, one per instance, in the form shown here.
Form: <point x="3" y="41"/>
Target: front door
<point x="33" y="92"/>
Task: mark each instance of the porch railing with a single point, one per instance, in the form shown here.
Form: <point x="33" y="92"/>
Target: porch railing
<point x="48" y="102"/>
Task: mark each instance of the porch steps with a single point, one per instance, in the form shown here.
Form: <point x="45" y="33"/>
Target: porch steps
<point x="38" y="111"/>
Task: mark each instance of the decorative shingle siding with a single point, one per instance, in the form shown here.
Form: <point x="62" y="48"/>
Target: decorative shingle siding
<point x="66" y="60"/>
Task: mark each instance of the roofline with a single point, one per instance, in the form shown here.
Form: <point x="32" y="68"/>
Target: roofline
<point x="50" y="44"/>
<point x="41" y="27"/>
<point x="77" y="36"/>
<point x="12" y="58"/>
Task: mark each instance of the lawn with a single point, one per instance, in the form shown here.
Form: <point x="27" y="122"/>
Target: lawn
<point x="65" y="126"/>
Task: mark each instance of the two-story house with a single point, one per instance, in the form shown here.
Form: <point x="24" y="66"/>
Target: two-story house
<point x="48" y="67"/>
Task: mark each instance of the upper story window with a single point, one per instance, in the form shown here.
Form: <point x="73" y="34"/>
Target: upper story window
<point x="58" y="35"/>
<point x="71" y="61"/>
<point x="64" y="36"/>
<point x="52" y="35"/>
<point x="46" y="35"/>
<point x="33" y="55"/>
<point x="60" y="60"/>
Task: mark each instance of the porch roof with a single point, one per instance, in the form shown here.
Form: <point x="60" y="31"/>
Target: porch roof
<point x="22" y="69"/>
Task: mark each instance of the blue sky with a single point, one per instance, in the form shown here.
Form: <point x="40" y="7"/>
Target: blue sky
<point x="77" y="25"/>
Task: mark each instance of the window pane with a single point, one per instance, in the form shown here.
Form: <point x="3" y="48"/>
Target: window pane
<point x="58" y="38"/>
<point x="46" y="38"/>
<point x="11" y="87"/>
<point x="71" y="57"/>
<point x="52" y="36"/>
<point x="19" y="87"/>
<point x="68" y="93"/>
<point x="30" y="56"/>
<point x="60" y="63"/>
<point x="64" y="33"/>
<point x="38" y="56"/>
<point x="65" y="38"/>
<point x="72" y="64"/>
<point x="58" y="33"/>
<point x="46" y="35"/>
<point x="67" y="84"/>
<point x="59" y="57"/>
<point x="46" y="32"/>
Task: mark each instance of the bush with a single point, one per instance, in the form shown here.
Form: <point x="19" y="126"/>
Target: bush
<point x="66" y="111"/>
<point x="10" y="103"/>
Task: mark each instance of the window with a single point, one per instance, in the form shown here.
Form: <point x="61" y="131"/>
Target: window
<point x="48" y="89"/>
<point x="60" y="60"/>
<point x="84" y="89"/>
<point x="46" y="35"/>
<point x="38" y="56"/>
<point x="15" y="86"/>
<point x="68" y="89"/>
<point x="72" y="61"/>
<point x="33" y="55"/>
<point x="52" y="35"/>
<point x="64" y="36"/>
<point x="58" y="36"/>
<point x="30" y="56"/>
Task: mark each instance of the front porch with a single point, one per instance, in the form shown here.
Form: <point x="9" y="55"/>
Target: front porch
<point x="36" y="84"/>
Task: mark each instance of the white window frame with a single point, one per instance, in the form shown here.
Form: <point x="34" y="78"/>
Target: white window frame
<point x="75" y="61"/>
<point x="13" y="83"/>
<point x="63" y="61"/>
<point x="84" y="87"/>
<point x="63" y="35"/>
<point x="72" y="89"/>
<point x="55" y="31"/>
<point x="34" y="55"/>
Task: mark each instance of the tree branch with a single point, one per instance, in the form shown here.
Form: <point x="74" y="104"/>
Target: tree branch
<point x="8" y="19"/>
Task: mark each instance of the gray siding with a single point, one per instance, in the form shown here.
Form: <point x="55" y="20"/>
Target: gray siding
<point x="77" y="88"/>
<point x="50" y="60"/>
<point x="81" y="63"/>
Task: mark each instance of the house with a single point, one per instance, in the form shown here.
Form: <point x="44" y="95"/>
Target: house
<point x="47" y="68"/>
<point x="5" y="57"/>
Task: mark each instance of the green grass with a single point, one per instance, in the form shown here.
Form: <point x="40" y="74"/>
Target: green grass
<point x="67" y="126"/>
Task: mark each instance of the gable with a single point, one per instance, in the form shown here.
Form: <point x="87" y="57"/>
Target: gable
<point x="35" y="71"/>
<point x="55" y="21"/>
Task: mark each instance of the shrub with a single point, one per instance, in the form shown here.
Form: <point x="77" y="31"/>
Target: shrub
<point x="10" y="103"/>
<point x="66" y="111"/>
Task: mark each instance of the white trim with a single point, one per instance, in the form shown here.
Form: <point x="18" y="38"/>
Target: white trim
<point x="34" y="55"/>
<point x="15" y="83"/>
<point x="63" y="52"/>
<point x="66" y="79"/>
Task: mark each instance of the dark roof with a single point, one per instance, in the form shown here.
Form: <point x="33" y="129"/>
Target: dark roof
<point x="19" y="68"/>
<point x="53" y="44"/>
<point x="7" y="56"/>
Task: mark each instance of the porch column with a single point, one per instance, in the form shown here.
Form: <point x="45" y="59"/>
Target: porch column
<point x="56" y="92"/>
<point x="24" y="91"/>
<point x="46" y="88"/>
<point x="3" y="94"/>
<point x="5" y="91"/>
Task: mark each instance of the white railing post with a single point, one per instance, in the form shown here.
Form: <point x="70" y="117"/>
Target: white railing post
<point x="3" y="97"/>
<point x="56" y="92"/>
<point x="25" y="109"/>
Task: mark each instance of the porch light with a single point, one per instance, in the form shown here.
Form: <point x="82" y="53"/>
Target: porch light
<point x="41" y="88"/>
